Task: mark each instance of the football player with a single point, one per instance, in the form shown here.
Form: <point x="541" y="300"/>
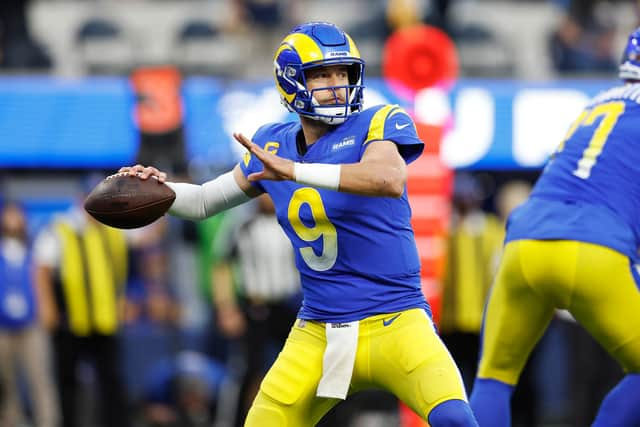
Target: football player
<point x="338" y="180"/>
<point x="573" y="245"/>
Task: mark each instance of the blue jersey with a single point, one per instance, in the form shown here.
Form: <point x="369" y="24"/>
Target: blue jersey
<point x="17" y="294"/>
<point x="356" y="254"/>
<point x="590" y="190"/>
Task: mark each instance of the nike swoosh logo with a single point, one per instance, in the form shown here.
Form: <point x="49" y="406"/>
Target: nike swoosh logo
<point x="400" y="127"/>
<point x="387" y="322"/>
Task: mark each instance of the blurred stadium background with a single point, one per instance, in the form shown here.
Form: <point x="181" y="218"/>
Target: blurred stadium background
<point x="87" y="86"/>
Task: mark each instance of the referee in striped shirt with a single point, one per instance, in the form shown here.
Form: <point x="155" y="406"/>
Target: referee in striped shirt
<point x="256" y="293"/>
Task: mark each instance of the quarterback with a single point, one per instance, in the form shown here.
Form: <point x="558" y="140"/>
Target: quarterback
<point x="337" y="178"/>
<point x="574" y="245"/>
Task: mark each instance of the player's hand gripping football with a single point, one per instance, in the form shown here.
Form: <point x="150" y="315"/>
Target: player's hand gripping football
<point x="143" y="172"/>
<point x="275" y="168"/>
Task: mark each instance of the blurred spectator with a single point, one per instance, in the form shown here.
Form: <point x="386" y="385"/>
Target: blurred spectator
<point x="18" y="50"/>
<point x="213" y="340"/>
<point x="384" y="17"/>
<point x="510" y="196"/>
<point x="182" y="391"/>
<point x="439" y="15"/>
<point x="265" y="14"/>
<point x="388" y="16"/>
<point x="262" y="309"/>
<point x="23" y="344"/>
<point x="151" y="329"/>
<point x="584" y="41"/>
<point x="81" y="269"/>
<point x="473" y="251"/>
<point x="403" y="13"/>
<point x="150" y="296"/>
<point x="263" y="22"/>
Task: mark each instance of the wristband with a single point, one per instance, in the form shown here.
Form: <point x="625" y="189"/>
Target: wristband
<point x="320" y="175"/>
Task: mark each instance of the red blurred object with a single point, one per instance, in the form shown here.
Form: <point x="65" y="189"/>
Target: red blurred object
<point x="432" y="135"/>
<point x="159" y="106"/>
<point x="408" y="418"/>
<point x="419" y="57"/>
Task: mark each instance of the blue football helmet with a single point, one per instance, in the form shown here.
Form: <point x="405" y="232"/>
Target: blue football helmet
<point x="317" y="44"/>
<point x="630" y="63"/>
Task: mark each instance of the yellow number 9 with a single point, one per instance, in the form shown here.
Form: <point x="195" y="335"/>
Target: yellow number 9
<point x="323" y="228"/>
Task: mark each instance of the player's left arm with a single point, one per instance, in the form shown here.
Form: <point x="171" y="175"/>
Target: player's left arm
<point x="381" y="171"/>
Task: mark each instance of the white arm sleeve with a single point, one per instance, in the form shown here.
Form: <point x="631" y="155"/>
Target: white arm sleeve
<point x="196" y="202"/>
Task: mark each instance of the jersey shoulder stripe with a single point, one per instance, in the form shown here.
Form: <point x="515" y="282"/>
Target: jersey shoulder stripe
<point x="392" y="123"/>
<point x="377" y="125"/>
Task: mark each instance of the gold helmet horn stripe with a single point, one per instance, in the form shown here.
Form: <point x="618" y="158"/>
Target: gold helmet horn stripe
<point x="353" y="49"/>
<point x="306" y="47"/>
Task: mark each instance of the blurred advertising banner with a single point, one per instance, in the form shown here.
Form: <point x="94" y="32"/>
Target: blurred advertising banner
<point x="89" y="123"/>
<point x="49" y="122"/>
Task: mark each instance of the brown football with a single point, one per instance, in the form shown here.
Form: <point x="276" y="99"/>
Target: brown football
<point x="124" y="201"/>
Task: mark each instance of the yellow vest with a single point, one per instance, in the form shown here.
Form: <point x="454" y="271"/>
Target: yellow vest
<point x="472" y="257"/>
<point x="93" y="267"/>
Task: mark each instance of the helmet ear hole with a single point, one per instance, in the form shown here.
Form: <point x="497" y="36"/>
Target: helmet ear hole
<point x="354" y="74"/>
<point x="293" y="73"/>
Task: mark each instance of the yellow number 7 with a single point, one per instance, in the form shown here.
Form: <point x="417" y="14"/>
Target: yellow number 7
<point x="610" y="111"/>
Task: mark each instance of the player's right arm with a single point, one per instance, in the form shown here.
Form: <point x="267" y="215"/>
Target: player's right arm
<point x="196" y="202"/>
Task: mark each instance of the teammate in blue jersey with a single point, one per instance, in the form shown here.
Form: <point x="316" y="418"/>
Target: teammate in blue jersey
<point x="574" y="245"/>
<point x="338" y="181"/>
